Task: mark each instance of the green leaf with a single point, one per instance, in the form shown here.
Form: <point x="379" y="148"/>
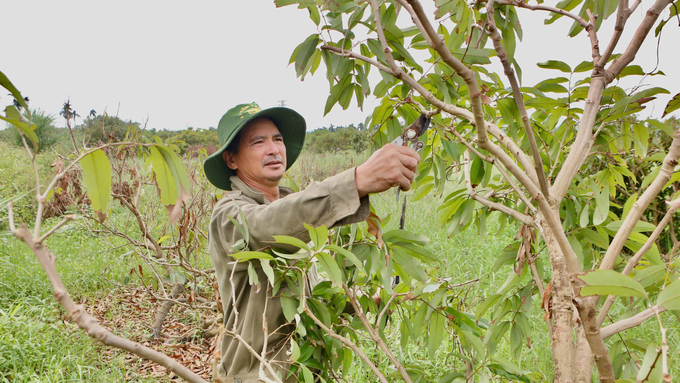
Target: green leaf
<point x="554" y="64"/>
<point x="474" y="56"/>
<point x="405" y="236"/>
<point x="289" y="307"/>
<point x="182" y="184"/>
<point x="268" y="271"/>
<point x="286" y="240"/>
<point x="602" y="204"/>
<point x="669" y="297"/>
<point x="4" y="81"/>
<point x="252" y="276"/>
<point x="331" y="267"/>
<point x="672" y="105"/>
<point x="294" y="350"/>
<point x="318" y="235"/>
<point x="451" y="377"/>
<point x="595" y="238"/>
<point x="476" y="171"/>
<point x="163" y="176"/>
<point x="486" y="304"/>
<point x="649" y="363"/>
<point x="14" y="117"/>
<point x="97" y="179"/>
<point x="304" y="53"/>
<point x="306" y="374"/>
<point x="402" y="259"/>
<point x="349" y="255"/>
<point x="640" y="226"/>
<point x="650" y="275"/>
<point x="247" y="255"/>
<point x="437" y="322"/>
<point x="496" y="334"/>
<point x="610" y="282"/>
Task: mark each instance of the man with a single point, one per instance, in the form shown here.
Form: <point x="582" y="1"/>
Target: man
<point x="257" y="147"/>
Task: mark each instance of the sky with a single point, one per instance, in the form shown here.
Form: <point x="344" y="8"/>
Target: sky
<point x="173" y="65"/>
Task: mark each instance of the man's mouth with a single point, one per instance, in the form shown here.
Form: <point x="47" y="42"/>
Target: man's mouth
<point x="273" y="163"/>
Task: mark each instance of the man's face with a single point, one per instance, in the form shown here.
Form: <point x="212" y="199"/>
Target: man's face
<point x="261" y="157"/>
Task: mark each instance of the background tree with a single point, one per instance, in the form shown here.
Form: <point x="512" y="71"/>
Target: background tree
<point x="45" y="130"/>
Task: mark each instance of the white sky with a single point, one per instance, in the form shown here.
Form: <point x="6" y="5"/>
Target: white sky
<point x="179" y="64"/>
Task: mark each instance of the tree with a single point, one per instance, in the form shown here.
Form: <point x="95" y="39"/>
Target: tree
<point x="69" y="114"/>
<point x="553" y="157"/>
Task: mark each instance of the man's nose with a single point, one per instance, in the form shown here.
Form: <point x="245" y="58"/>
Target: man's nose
<point x="272" y="148"/>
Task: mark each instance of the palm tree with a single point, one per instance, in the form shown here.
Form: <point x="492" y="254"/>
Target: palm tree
<point x="44" y="129"/>
<point x="69" y="113"/>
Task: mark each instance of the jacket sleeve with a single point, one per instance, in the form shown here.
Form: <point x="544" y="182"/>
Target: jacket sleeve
<point x="332" y="202"/>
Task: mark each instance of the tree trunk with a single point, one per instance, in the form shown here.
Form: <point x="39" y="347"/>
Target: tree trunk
<point x="562" y="310"/>
<point x="164" y="310"/>
<point x="583" y="358"/>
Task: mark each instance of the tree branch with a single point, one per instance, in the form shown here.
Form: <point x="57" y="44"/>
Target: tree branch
<point x="89" y="324"/>
<point x="467" y="74"/>
<point x="667" y="169"/>
<point x="375" y="336"/>
<point x="631" y="322"/>
<point x="541" y="7"/>
<point x="510" y="74"/>
<point x="632" y="262"/>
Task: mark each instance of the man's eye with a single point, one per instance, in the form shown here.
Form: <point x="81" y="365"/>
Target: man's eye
<point x="279" y="139"/>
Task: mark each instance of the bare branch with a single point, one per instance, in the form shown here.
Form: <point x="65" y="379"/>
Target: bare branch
<point x="56" y="227"/>
<point x="667" y="169"/>
<point x="510" y="74"/>
<point x="541" y="7"/>
<point x="636" y="41"/>
<point x="467" y="74"/>
<point x="592" y="33"/>
<point x="631" y="322"/>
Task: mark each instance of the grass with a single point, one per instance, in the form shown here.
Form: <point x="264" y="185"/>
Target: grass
<point x="38" y="345"/>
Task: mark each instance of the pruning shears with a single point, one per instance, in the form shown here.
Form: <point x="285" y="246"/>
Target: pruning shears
<point x="410" y="135"/>
<point x="413" y="132"/>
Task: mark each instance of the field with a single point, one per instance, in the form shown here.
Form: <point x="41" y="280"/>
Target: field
<point x="37" y="344"/>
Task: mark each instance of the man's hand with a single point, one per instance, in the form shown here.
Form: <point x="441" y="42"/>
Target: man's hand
<point x="388" y="167"/>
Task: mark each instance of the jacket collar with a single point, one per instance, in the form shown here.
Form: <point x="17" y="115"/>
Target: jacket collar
<point x="238" y="185"/>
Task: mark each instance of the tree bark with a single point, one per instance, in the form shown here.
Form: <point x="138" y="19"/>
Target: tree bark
<point x="583" y="358"/>
<point x="562" y="310"/>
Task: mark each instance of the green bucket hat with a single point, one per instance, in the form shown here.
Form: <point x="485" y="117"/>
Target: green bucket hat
<point x="289" y="122"/>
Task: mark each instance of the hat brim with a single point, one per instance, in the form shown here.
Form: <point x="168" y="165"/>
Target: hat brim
<point x="292" y="127"/>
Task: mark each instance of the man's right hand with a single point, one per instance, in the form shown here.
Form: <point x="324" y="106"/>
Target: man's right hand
<point x="388" y="167"/>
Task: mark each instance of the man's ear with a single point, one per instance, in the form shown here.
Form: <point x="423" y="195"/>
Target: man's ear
<point x="229" y="159"/>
